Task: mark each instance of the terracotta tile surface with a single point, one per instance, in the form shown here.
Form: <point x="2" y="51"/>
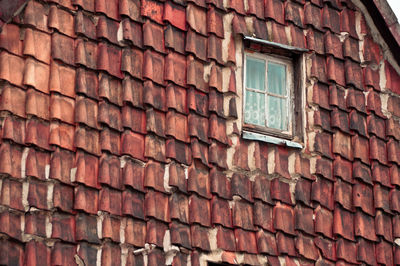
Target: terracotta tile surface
<point x="121" y="138"/>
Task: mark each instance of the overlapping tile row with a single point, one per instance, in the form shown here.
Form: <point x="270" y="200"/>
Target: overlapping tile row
<point x="121" y="137"/>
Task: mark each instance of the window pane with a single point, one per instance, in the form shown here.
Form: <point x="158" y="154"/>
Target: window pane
<point x="254" y="110"/>
<point x="276" y="78"/>
<point x="277" y="113"/>
<point x="255" y="73"/>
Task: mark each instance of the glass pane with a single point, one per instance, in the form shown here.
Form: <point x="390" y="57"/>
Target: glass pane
<point x="254" y="110"/>
<point x="276" y="78"/>
<point x="255" y="73"/>
<point x="277" y="113"/>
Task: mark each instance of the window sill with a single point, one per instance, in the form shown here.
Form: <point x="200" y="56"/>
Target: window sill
<point x="269" y="139"/>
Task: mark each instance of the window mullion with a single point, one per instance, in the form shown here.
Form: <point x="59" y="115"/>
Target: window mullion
<point x="266" y="93"/>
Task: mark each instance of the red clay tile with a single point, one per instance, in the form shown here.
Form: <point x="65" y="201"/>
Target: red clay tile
<point x="364" y="250"/>
<point x="306" y="248"/>
<point x="135" y="232"/>
<point x="330" y="19"/>
<point x="37" y="195"/>
<point x="361" y="148"/>
<point x="86" y="112"/>
<point x="179" y="207"/>
<point x="322" y="118"/>
<point x="353" y="74"/>
<point x="221" y="212"/>
<point x="37" y="104"/>
<point x="214" y="50"/>
<point x="323" y="144"/>
<point x="62" y="108"/>
<point x="133" y="174"/>
<point x="378" y="150"/>
<point x="363" y="198"/>
<point x="324" y="222"/>
<point x="131" y="9"/>
<point x="87" y="252"/>
<point x="239" y="24"/>
<point x="86" y="54"/>
<point x="298" y="39"/>
<point x="175" y="15"/>
<point x="384" y="253"/>
<point x="87" y="169"/>
<point x="86" y="199"/>
<point x="61" y="20"/>
<point x="394" y="200"/>
<point x="245" y="241"/>
<point x="62" y="135"/>
<point x="156" y="204"/>
<point x="372" y="52"/>
<point x="10" y="39"/>
<point x="62" y="49"/>
<point x="133" y="144"/>
<point x="107" y="29"/>
<point x="35" y="224"/>
<point x="220" y="184"/>
<point x="198" y="102"/>
<point x="383" y="225"/>
<point x="36" y="164"/>
<point x="35" y="14"/>
<point x="63" y="254"/>
<point x="12" y="70"/>
<point x="133" y="204"/>
<point x="11" y="194"/>
<point x="200" y="238"/>
<point x="110" y="200"/>
<point x="88" y="140"/>
<point x="256" y="8"/>
<point x="11" y="224"/>
<point x="155" y="232"/>
<point x="346" y="250"/>
<point x="318" y="69"/>
<point x="180" y="235"/>
<point x="335" y="70"/>
<point x="226" y="239"/>
<point x="110" y="253"/>
<point x="217" y="129"/>
<point x="110" y="8"/>
<point x="154" y="10"/>
<point x="215" y="23"/>
<point x="134" y="119"/>
<point x="242" y="215"/>
<point x="371" y="78"/>
<point x="174" y="39"/>
<point x="132" y="32"/>
<point x="110" y="115"/>
<point x="337" y="98"/>
<point x="196" y="44"/>
<point x="13" y="99"/>
<point x="110" y="228"/>
<point x="86" y="83"/>
<point x="199" y="210"/>
<point x="321" y="95"/>
<point x="343" y="169"/>
<point x="153" y="66"/>
<point x="14" y="129"/>
<point x="342" y="145"/>
<point x="109" y="60"/>
<point x="84" y="25"/>
<point x="63" y="227"/>
<point x="36" y="44"/>
<point x="347" y="19"/>
<point x="280" y="191"/>
<point x="37" y="253"/>
<point x="154" y="176"/>
<point x="312" y="16"/>
<point x="63" y="197"/>
<point x="11" y="156"/>
<point x="333" y="46"/>
<point x="242" y="186"/>
<point x="376" y="126"/>
<point x="266" y="243"/>
<point x="393" y="105"/>
<point x="261" y="190"/>
<point x="110" y="141"/>
<point x="60" y="77"/>
<point x="351" y="49"/>
<point x="177" y="177"/>
<point x="153" y="36"/>
<point x="380" y="174"/>
<point x="111" y="89"/>
<point x="343" y="194"/>
<point x="284" y="218"/>
<point x="392" y="77"/>
<point x="263" y="216"/>
<point x="285" y="244"/>
<point x="218" y="155"/>
<point x="237" y="6"/>
<point x="198" y="181"/>
<point x="304" y="219"/>
<point x="198" y="127"/>
<point x="294" y="13"/>
<point x="322" y="191"/>
<point x="395" y="175"/>
<point x="87" y="5"/>
<point x="175" y="69"/>
<point x="279" y="33"/>
<point x="110" y="171"/>
<point x="36" y="75"/>
<point x="326" y="247"/>
<point x="37" y="133"/>
<point x="364" y="226"/>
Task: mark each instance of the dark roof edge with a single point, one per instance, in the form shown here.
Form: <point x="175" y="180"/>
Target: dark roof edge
<point x="386" y="23"/>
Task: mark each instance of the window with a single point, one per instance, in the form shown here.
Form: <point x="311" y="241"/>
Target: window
<point x="268" y="93"/>
<point x="273" y="95"/>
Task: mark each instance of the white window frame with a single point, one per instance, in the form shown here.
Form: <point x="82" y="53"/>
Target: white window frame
<point x="288" y="63"/>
